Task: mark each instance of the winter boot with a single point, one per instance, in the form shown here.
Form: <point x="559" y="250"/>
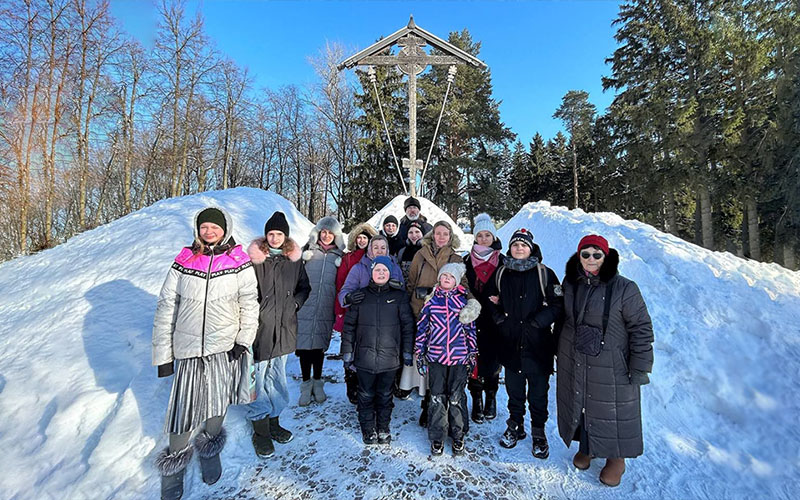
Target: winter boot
<point x="540" y="448"/>
<point x="262" y="438"/>
<point x="278" y="433"/>
<point x="402" y="394"/>
<point x="305" y="392"/>
<point x="172" y="467"/>
<point x="612" y="473"/>
<point x="581" y="461"/>
<point x="318" y="391"/>
<point x="384" y="437"/>
<point x="369" y="437"/>
<point x="351" y="381"/>
<point x="208" y="449"/>
<point x="477" y="407"/>
<point x="490" y="408"/>
<point x="437" y="448"/>
<point x="458" y="447"/>
<point x="514" y="432"/>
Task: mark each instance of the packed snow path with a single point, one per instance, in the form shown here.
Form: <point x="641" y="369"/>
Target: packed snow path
<point x="82" y="410"/>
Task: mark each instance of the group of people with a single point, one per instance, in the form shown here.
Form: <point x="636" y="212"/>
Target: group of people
<point x="412" y="314"/>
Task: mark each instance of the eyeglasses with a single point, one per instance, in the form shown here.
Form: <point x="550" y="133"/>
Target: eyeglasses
<point x="596" y="255"/>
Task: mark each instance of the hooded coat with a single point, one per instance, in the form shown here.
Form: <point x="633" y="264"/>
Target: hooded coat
<point x="315" y="319"/>
<point x="207" y="303"/>
<point x="441" y="337"/>
<point x="424" y="270"/>
<point x="349" y="260"/>
<point x="283" y="288"/>
<point x="599" y="386"/>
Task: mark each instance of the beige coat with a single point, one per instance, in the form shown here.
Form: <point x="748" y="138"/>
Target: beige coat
<point x="424" y="271"/>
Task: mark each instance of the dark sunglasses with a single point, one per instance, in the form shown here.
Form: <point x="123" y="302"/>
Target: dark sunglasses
<point x="596" y="255"/>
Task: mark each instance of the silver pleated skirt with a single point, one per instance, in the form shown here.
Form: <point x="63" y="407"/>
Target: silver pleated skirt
<point x="202" y="388"/>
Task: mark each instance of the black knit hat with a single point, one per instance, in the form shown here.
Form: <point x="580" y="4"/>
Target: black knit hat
<point x="390" y="218"/>
<point x="411" y="201"/>
<point x="277" y="223"/>
<point x="214" y="216"/>
<point x="522" y="235"/>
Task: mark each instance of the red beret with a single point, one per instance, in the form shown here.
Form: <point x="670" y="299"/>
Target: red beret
<point x="594" y="240"/>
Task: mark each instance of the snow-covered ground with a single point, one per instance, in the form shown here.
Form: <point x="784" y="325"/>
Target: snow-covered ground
<point x="81" y="409"/>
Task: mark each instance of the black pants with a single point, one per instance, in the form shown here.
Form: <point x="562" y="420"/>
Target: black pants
<point x="448" y="401"/>
<point x="311" y="358"/>
<point x="538" y="385"/>
<point x="375" y="400"/>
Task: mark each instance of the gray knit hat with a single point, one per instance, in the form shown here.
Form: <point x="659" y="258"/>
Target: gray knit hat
<point x="455" y="269"/>
<point x="484" y="223"/>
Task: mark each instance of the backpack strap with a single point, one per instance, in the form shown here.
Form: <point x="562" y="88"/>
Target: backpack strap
<point x="497" y="276"/>
<point x="542" y="281"/>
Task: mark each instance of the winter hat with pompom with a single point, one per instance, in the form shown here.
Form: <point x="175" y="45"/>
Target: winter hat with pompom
<point x="484" y="223"/>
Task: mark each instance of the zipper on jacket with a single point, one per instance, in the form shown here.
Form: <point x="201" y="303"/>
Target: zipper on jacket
<point x="205" y="305"/>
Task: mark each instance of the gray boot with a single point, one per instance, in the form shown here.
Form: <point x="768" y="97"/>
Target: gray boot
<point x="172" y="467"/>
<point x="318" y="391"/>
<point x="305" y="392"/>
<point x="208" y="449"/>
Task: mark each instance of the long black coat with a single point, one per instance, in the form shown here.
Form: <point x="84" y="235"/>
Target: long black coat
<point x="283" y="288"/>
<point x="379" y="329"/>
<point x="528" y="342"/>
<point x="600" y="386"/>
<point x="489" y="340"/>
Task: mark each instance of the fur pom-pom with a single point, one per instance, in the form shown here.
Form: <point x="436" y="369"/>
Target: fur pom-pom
<point x="338" y="261"/>
<point x="307" y="255"/>
<point x="169" y="464"/>
<point x="470" y="312"/>
<point x="208" y="446"/>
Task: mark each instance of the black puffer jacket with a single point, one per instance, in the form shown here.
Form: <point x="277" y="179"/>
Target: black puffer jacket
<point x="379" y="329"/>
<point x="600" y="386"/>
<point x="283" y="288"/>
<point x="528" y="343"/>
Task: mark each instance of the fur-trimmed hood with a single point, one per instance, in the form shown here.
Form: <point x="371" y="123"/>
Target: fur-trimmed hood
<point x="427" y="240"/>
<point x="332" y="225"/>
<point x="361" y="228"/>
<point x="292" y="253"/>
<point x="608" y="270"/>
<point x="228" y="222"/>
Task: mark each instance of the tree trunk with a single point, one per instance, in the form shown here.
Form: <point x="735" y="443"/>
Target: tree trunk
<point x="752" y="229"/>
<point x="574" y="176"/>
<point x="789" y="255"/>
<point x="672" y="214"/>
<point x="705" y="217"/>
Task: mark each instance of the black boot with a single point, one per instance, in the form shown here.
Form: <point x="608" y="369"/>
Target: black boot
<point x="477" y="407"/>
<point x="369" y="436"/>
<point x="208" y="449"/>
<point x="351" y="381"/>
<point x="278" y="433"/>
<point x="262" y="438"/>
<point x="490" y="408"/>
<point x="514" y="432"/>
<point x="172" y="467"/>
<point x="540" y="447"/>
<point x="423" y="416"/>
<point x="437" y="448"/>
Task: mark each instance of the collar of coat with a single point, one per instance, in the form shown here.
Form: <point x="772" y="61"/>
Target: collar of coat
<point x="353" y="234"/>
<point x="574" y="271"/>
<point x="257" y="256"/>
<point x="313" y="236"/>
<point x="389" y="285"/>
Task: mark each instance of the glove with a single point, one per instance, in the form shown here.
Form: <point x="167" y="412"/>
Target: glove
<point x="348" y="366"/>
<point x="472" y="360"/>
<point x="408" y="359"/>
<point x="165" y="370"/>
<point x="422" y="366"/>
<point x="638" y="377"/>
<point x="499" y="318"/>
<point x="236" y="352"/>
<point x="353" y="298"/>
<point x="469" y="312"/>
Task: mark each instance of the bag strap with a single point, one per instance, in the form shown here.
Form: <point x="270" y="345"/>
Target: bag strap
<point x="542" y="281"/>
<point x="497" y="276"/>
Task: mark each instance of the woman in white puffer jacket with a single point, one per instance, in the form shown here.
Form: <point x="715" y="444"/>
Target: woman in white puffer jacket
<point x="206" y="319"/>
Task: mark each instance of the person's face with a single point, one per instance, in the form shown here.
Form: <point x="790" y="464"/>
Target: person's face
<point x="441" y="236"/>
<point x="211" y="233"/>
<point x="326" y="237"/>
<point x="520" y="250"/>
<point x="275" y="238"/>
<point x="484" y="238"/>
<point x="592" y="259"/>
<point x="390" y="228"/>
<point x="379" y="248"/>
<point x="412" y="211"/>
<point x="361" y="241"/>
<point x="447" y="281"/>
<point x="414" y="234"/>
<point x="380" y="274"/>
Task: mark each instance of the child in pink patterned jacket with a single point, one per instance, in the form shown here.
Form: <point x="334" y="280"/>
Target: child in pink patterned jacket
<point x="446" y="349"/>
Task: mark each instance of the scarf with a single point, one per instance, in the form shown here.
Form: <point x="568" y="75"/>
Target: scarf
<point x="484" y="262"/>
<point x="521" y="265"/>
<point x="325" y="247"/>
<point x="275" y="251"/>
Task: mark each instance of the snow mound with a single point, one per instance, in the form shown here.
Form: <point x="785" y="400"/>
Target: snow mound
<point x="720" y="414"/>
<point x="82" y="409"/>
<point x="431" y="212"/>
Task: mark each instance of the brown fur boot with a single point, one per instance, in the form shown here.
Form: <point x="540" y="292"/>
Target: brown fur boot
<point x="612" y="472"/>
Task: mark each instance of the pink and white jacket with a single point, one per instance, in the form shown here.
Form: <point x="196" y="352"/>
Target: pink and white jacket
<point x="208" y="302"/>
<point x="441" y="337"/>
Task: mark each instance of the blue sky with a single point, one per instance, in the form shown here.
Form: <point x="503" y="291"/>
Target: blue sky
<point x="536" y="51"/>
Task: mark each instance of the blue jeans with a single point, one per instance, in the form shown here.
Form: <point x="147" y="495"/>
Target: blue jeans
<point x="271" y="388"/>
